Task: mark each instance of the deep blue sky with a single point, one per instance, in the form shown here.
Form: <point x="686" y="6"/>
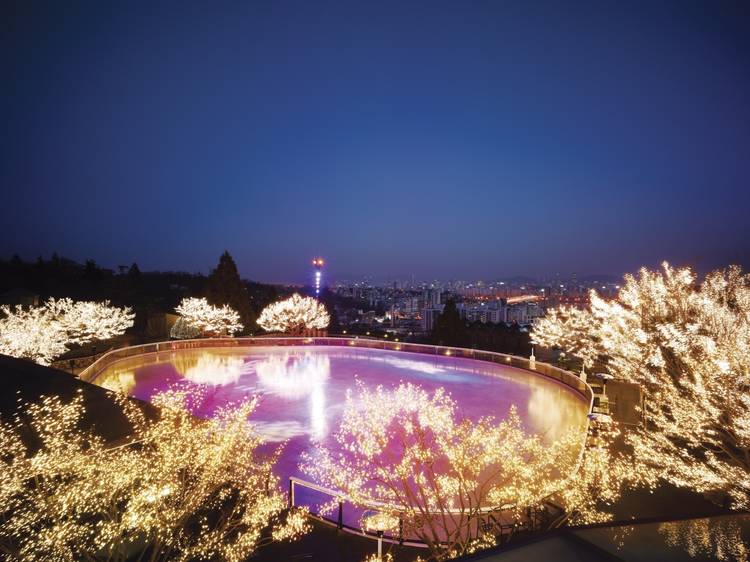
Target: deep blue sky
<point x="452" y="140"/>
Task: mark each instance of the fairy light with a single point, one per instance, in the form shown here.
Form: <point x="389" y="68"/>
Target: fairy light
<point x="408" y="451"/>
<point x="688" y="347"/>
<point x="207" y="319"/>
<point x="184" y="330"/>
<point x="75" y="498"/>
<point x="294" y="315"/>
<point x="45" y="332"/>
<point x="716" y="539"/>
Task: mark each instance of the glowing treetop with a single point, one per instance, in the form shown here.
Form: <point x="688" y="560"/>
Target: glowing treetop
<point x="45" y="332"/>
<point x="294" y="315"/>
<point x="207" y="319"/>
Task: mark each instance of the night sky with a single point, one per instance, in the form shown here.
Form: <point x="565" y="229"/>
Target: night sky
<point x="454" y="140"/>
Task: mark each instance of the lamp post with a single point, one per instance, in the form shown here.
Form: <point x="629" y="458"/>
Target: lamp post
<point x="379" y="522"/>
<point x="604" y="399"/>
<point x="604" y="377"/>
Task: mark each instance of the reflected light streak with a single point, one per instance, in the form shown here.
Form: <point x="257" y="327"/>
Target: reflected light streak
<point x="293" y="376"/>
<point x="410" y="364"/>
<point x="216" y="370"/>
<point x="119" y="381"/>
<point x="318" y="425"/>
<point x="551" y="414"/>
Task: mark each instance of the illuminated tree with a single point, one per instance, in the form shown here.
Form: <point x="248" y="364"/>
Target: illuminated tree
<point x="85" y="321"/>
<point x="450" y="480"/>
<point x="183" y="490"/>
<point x="566" y="328"/>
<point x="43" y="333"/>
<point x="31" y="334"/>
<point x="294" y="315"/>
<point x="688" y="346"/>
<point x="184" y="330"/>
<point x="207" y="319"/>
<point x="591" y="492"/>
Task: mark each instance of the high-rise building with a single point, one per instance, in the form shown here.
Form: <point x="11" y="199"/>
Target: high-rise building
<point x="429" y="317"/>
<point x="431" y="298"/>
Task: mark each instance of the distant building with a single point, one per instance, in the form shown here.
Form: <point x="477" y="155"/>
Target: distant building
<point x="497" y="311"/>
<point x="493" y="312"/>
<point x="431" y="298"/>
<point x="367" y="317"/>
<point x="524" y="313"/>
<point x="429" y="317"/>
<point x="497" y="315"/>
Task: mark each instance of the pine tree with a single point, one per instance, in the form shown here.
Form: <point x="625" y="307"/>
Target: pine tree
<point x="449" y="328"/>
<point x="226" y="287"/>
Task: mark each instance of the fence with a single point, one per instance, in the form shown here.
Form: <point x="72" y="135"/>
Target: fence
<point x="500" y="521"/>
<point x="568" y="379"/>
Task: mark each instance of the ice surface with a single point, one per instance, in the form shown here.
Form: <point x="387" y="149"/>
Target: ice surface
<point x="303" y="389"/>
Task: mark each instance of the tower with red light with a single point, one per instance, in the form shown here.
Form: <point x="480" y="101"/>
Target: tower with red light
<point x="318" y="264"/>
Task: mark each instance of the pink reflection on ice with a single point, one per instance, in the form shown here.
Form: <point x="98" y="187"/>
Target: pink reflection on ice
<point x="303" y="389"/>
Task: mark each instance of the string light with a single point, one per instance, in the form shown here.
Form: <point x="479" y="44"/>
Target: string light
<point x="688" y="347"/>
<point x="209" y="320"/>
<point x="45" y="332"/>
<point x="718" y="538"/>
<point x="407" y="452"/>
<point x="294" y="315"/>
<point x="183" y="490"/>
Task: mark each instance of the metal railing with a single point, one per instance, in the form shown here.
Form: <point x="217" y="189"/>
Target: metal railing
<point x="549" y="371"/>
<point x="503" y="519"/>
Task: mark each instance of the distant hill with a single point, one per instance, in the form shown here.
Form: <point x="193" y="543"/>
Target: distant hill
<point x="601" y="278"/>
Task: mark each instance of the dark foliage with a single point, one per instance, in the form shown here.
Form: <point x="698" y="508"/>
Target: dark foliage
<point x="146" y="292"/>
<point x="225" y="286"/>
<point x="452" y="331"/>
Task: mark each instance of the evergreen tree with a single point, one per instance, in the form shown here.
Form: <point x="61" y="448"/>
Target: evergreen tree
<point x="449" y="328"/>
<point x="134" y="271"/>
<point x="224" y="286"/>
<point x="91" y="271"/>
